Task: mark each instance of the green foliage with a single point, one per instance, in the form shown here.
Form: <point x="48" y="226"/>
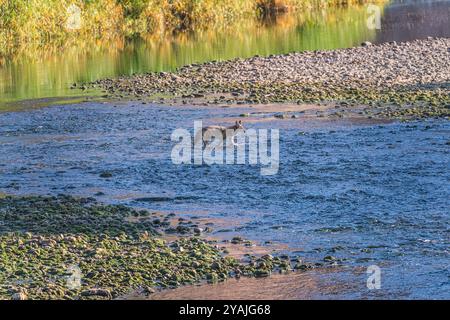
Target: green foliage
<point x="133" y="8"/>
<point x="45" y="21"/>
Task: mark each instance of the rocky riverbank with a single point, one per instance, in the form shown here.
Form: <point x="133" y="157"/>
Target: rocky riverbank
<point x="393" y="80"/>
<point x="75" y="248"/>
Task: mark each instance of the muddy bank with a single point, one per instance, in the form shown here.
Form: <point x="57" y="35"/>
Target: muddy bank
<point x="394" y="80"/>
<point x="75" y="248"/>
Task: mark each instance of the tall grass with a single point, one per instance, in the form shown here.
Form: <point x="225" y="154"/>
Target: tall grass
<point x="25" y="20"/>
<point x="45" y="21"/>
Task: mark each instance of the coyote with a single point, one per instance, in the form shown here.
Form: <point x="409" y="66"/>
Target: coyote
<point x="232" y="129"/>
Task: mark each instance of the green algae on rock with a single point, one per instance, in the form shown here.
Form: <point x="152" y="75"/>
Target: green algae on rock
<point x="40" y="265"/>
<point x="68" y="215"/>
<point x="74" y="248"/>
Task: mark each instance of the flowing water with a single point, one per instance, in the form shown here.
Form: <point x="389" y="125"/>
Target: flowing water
<point x="366" y="193"/>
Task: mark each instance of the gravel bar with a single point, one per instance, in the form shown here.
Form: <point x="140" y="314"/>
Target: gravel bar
<point x="396" y="80"/>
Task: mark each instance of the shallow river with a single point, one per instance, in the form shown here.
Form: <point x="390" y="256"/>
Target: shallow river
<point x="371" y="194"/>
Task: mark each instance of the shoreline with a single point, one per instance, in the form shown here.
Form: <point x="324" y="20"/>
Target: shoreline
<point x="290" y="286"/>
<point x="110" y="251"/>
<point x="404" y="81"/>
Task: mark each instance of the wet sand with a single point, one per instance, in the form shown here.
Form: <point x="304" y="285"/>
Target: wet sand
<point x="316" y="284"/>
<point x="293" y="286"/>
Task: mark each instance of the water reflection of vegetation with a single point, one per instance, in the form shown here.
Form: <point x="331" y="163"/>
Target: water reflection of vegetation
<point x="48" y="71"/>
<point x="45" y="21"/>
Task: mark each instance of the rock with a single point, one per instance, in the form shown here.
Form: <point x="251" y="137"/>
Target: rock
<point x="19" y="296"/>
<point x="179" y="249"/>
<point x="366" y="43"/>
<point x="198" y="230"/>
<point x="300" y="266"/>
<point x="106" y="174"/>
<point x="149" y="290"/>
<point x="280" y="116"/>
<point x="248" y="243"/>
<point x="47" y="243"/>
<point x="237" y="240"/>
<point x="208" y="229"/>
<point x="212" y="277"/>
<point x="216" y="266"/>
<point x="182" y="229"/>
<point x="262" y="273"/>
<point x="329" y="258"/>
<point x="96" y="292"/>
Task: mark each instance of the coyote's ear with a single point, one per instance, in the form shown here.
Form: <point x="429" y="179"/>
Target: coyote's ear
<point x="240" y="121"/>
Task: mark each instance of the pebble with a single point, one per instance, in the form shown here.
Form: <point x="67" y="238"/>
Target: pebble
<point x="19" y="296"/>
<point x="388" y="74"/>
<point x="97" y="292"/>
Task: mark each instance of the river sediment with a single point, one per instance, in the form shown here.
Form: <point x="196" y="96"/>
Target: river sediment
<point x="407" y="80"/>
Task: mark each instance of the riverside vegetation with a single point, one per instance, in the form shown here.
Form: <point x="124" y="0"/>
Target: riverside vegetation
<point x="42" y="22"/>
<point x="116" y="248"/>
